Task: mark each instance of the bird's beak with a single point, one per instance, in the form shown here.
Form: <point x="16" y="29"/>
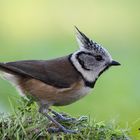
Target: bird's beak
<point x="114" y="63"/>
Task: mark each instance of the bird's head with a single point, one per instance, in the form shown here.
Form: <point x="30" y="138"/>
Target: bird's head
<point x="92" y="58"/>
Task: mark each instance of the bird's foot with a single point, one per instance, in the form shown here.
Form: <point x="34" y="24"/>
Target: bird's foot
<point x="60" y="117"/>
<point x="63" y="129"/>
<point x="59" y="128"/>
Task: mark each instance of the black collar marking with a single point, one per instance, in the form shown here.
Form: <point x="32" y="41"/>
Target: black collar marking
<point x="87" y="83"/>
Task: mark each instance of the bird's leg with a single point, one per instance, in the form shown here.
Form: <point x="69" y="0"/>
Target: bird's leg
<point x="60" y="117"/>
<point x="44" y="110"/>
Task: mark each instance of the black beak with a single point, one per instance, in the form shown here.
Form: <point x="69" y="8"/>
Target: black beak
<point x="115" y="63"/>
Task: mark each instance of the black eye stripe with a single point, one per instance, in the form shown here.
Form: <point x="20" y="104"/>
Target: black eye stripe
<point x="86" y="53"/>
<point x="82" y="62"/>
<point x="98" y="58"/>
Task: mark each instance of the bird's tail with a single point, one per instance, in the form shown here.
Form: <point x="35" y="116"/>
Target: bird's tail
<point x="4" y="68"/>
<point x="8" y="74"/>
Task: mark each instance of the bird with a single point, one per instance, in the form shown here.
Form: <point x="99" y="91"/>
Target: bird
<point x="60" y="81"/>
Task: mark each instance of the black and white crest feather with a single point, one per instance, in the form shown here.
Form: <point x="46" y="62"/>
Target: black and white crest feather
<point x="85" y="42"/>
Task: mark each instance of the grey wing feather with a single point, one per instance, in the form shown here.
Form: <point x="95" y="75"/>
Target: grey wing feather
<point x="58" y="72"/>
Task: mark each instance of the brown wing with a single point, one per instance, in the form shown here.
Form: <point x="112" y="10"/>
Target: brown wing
<point x="57" y="72"/>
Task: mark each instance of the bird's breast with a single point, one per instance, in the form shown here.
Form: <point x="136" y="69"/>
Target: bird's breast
<point x="70" y="96"/>
<point x="51" y="95"/>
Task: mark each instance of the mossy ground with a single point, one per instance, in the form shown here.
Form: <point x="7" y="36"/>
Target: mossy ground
<point x="26" y="123"/>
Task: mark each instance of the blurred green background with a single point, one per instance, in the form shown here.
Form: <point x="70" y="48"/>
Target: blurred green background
<point x="44" y="29"/>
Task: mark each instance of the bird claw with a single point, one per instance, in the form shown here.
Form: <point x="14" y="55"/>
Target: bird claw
<point x="64" y="130"/>
<point x="60" y="117"/>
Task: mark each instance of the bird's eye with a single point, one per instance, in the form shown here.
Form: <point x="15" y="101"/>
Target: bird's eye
<point x="98" y="58"/>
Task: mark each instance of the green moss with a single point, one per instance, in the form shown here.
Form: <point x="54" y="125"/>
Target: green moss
<point x="26" y="123"/>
